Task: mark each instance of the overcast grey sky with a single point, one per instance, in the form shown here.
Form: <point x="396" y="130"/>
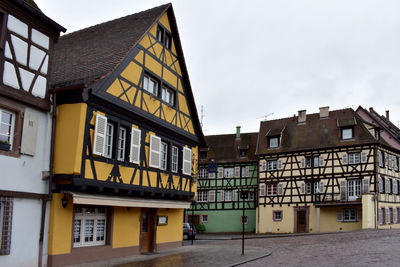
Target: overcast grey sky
<point x="247" y="59"/>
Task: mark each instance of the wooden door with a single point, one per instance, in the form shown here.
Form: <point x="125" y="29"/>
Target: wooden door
<point x="301" y="221"/>
<point x="147" y="230"/>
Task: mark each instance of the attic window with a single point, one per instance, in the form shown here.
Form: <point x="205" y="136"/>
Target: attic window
<point x="347" y="133"/>
<point x="150" y="85"/>
<point x="377" y="134"/>
<point x="273" y="141"/>
<point x="160" y="34"/>
<point x="168" y="95"/>
<point x="243" y="152"/>
<point x="164" y="37"/>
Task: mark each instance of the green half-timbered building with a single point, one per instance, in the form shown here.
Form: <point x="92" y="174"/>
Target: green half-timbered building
<point x="227" y="167"/>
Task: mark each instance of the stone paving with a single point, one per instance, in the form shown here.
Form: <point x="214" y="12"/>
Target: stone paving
<point x="358" y="248"/>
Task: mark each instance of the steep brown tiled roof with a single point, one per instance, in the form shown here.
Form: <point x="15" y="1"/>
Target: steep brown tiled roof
<point x="225" y="147"/>
<point x="84" y="56"/>
<point x="316" y="133"/>
<point x="385" y="123"/>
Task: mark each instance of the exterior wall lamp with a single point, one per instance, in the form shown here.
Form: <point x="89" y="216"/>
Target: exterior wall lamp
<point x="64" y="201"/>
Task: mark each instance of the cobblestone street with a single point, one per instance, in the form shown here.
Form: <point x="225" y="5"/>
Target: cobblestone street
<point x="360" y="248"/>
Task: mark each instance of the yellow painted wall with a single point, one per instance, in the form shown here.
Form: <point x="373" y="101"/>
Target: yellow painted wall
<point x="328" y="221"/>
<point x="126" y="231"/>
<point x="268" y="225"/>
<point x="60" y="226"/>
<point x="70" y="128"/>
<point x="173" y="231"/>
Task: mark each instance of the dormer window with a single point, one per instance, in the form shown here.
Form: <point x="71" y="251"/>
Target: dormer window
<point x="243" y="153"/>
<point x="203" y="155"/>
<point x="347" y="133"/>
<point x="273" y="142"/>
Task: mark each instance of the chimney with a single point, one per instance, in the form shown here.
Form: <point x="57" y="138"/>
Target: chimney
<point x="302" y="116"/>
<point x="387" y="114"/>
<point x="237" y="132"/>
<point x="323" y="112"/>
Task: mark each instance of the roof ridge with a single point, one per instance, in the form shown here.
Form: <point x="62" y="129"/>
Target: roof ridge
<point x="112" y="21"/>
<point x="230" y="134"/>
<point x="316" y="113"/>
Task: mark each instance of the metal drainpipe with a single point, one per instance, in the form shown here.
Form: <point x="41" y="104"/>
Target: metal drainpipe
<point x="51" y="175"/>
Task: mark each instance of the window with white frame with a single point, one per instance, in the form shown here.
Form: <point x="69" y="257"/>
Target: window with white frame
<point x="350" y="215"/>
<point x="245" y="171"/>
<point x="273" y="142"/>
<point x="203" y="173"/>
<point x="228" y="194"/>
<point x="121" y="143"/>
<point x="89" y="226"/>
<point x="347" y="133"/>
<point x="163" y="156"/>
<point x="229" y="172"/>
<point x="109" y="140"/>
<point x="204" y="218"/>
<point x="277" y="215"/>
<point x="354" y="158"/>
<point x="272" y="165"/>
<point x="271" y="189"/>
<point x="150" y="85"/>
<point x="354" y="189"/>
<point x="7" y="124"/>
<point x="202" y="196"/>
<point x="308" y="189"/>
<point x="168" y="95"/>
<point x="250" y="196"/>
<point x="174" y="159"/>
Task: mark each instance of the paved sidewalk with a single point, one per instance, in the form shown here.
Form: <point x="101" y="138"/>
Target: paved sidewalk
<point x="190" y="255"/>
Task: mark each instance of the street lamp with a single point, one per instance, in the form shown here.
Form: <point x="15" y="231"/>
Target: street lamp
<point x="243" y="195"/>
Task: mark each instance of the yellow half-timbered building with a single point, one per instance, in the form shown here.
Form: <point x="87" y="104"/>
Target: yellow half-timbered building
<point x="127" y="139"/>
<point x="323" y="172"/>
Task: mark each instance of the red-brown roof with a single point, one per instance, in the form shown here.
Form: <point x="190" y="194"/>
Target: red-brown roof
<point x="316" y="133"/>
<point x="85" y="56"/>
<point x="225" y="148"/>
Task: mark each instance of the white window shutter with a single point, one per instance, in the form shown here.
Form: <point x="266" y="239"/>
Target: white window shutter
<point x="363" y="157"/>
<point x="237" y="172"/>
<point x="280" y="189"/>
<point x="303" y="162"/>
<point x="155" y="148"/>
<point x="211" y="196"/>
<point x="100" y="135"/>
<point x="344" y="158"/>
<point x="343" y="190"/>
<point x="321" y="161"/>
<point x="234" y="197"/>
<point x="387" y="185"/>
<point x="365" y="184"/>
<point x="394" y="186"/>
<point x="220" y="172"/>
<point x="187" y="161"/>
<point x="321" y="187"/>
<point x="222" y="195"/>
<point x="134" y="157"/>
<point x="279" y="164"/>
<point x="302" y="188"/>
<point x="262" y="190"/>
<point x="247" y="171"/>
<point x="339" y="215"/>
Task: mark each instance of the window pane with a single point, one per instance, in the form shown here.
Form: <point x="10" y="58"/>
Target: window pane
<point x="100" y="231"/>
<point x="89" y="226"/>
<point x="347" y="133"/>
<point x="77" y="231"/>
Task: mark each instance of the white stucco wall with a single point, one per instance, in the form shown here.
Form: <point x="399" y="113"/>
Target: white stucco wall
<point x="25" y="173"/>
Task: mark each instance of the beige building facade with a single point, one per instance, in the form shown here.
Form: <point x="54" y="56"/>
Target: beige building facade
<point x="326" y="172"/>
